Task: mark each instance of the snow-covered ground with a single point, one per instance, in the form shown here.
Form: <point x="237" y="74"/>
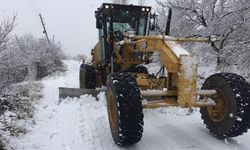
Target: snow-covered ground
<point x="82" y="124"/>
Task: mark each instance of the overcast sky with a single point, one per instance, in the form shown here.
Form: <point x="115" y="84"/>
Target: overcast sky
<point x="72" y="22"/>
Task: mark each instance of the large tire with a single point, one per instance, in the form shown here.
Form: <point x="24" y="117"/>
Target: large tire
<point x="231" y="115"/>
<point x="87" y="76"/>
<point x="138" y="69"/>
<point x="124" y="109"/>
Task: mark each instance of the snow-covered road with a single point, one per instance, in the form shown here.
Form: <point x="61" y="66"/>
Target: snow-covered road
<point x="82" y="124"/>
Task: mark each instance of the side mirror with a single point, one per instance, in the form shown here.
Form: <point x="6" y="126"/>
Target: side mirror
<point x="152" y="22"/>
<point x="98" y="24"/>
<point x="98" y="17"/>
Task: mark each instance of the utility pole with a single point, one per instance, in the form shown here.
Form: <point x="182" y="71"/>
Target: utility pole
<point x="44" y="29"/>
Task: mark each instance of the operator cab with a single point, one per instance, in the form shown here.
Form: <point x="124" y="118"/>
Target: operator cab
<point x="122" y="18"/>
<point x="114" y="21"/>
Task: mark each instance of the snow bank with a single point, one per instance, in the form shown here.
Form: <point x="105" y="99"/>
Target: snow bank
<point x="17" y="108"/>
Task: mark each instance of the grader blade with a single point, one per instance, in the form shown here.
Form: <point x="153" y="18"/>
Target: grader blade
<point x="76" y="92"/>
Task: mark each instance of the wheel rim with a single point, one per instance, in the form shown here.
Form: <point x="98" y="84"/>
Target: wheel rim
<point x="111" y="110"/>
<point x="218" y="113"/>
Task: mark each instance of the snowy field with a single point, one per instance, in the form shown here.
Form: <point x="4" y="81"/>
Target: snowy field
<point x="82" y="124"/>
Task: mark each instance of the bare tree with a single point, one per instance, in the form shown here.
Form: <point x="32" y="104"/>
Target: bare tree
<point x="5" y="28"/>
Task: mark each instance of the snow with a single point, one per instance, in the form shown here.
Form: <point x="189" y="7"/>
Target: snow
<point x="177" y="48"/>
<point x="153" y="92"/>
<point x="189" y="64"/>
<point x="208" y="101"/>
<point x="231" y="115"/>
<point x="206" y="92"/>
<point x="82" y="124"/>
<point x="239" y="119"/>
<point x="115" y="81"/>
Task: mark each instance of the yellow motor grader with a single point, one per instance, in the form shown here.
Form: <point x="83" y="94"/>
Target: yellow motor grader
<point x="118" y="60"/>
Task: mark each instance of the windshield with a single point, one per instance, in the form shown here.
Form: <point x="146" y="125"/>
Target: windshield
<point x="126" y="21"/>
<point x="123" y="27"/>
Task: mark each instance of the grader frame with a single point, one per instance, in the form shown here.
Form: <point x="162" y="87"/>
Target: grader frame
<point x="117" y="65"/>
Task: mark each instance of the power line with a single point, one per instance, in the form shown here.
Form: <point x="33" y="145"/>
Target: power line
<point x="30" y="6"/>
<point x="35" y="5"/>
<point x="34" y="27"/>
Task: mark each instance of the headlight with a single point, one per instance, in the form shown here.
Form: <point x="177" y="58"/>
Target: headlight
<point x="213" y="38"/>
<point x="143" y="9"/>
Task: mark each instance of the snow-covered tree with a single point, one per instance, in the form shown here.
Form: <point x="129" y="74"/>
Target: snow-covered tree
<point x="141" y="2"/>
<point x="121" y="1"/>
<point x="228" y="19"/>
<point x="27" y="58"/>
<point x="80" y="57"/>
<point x="38" y="53"/>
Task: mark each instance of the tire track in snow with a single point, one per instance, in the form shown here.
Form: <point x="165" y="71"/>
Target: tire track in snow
<point x="88" y="131"/>
<point x="95" y="123"/>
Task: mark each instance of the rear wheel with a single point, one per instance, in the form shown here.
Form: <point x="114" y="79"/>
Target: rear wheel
<point x="231" y="115"/>
<point x="124" y="109"/>
<point x="87" y="76"/>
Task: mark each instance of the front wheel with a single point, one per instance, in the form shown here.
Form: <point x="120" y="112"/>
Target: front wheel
<point x="124" y="109"/>
<point x="230" y="117"/>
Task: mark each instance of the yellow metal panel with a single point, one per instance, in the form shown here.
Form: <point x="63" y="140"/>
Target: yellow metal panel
<point x="168" y="38"/>
<point x="187" y="80"/>
<point x="167" y="57"/>
<point x="147" y="82"/>
<point x="161" y="103"/>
